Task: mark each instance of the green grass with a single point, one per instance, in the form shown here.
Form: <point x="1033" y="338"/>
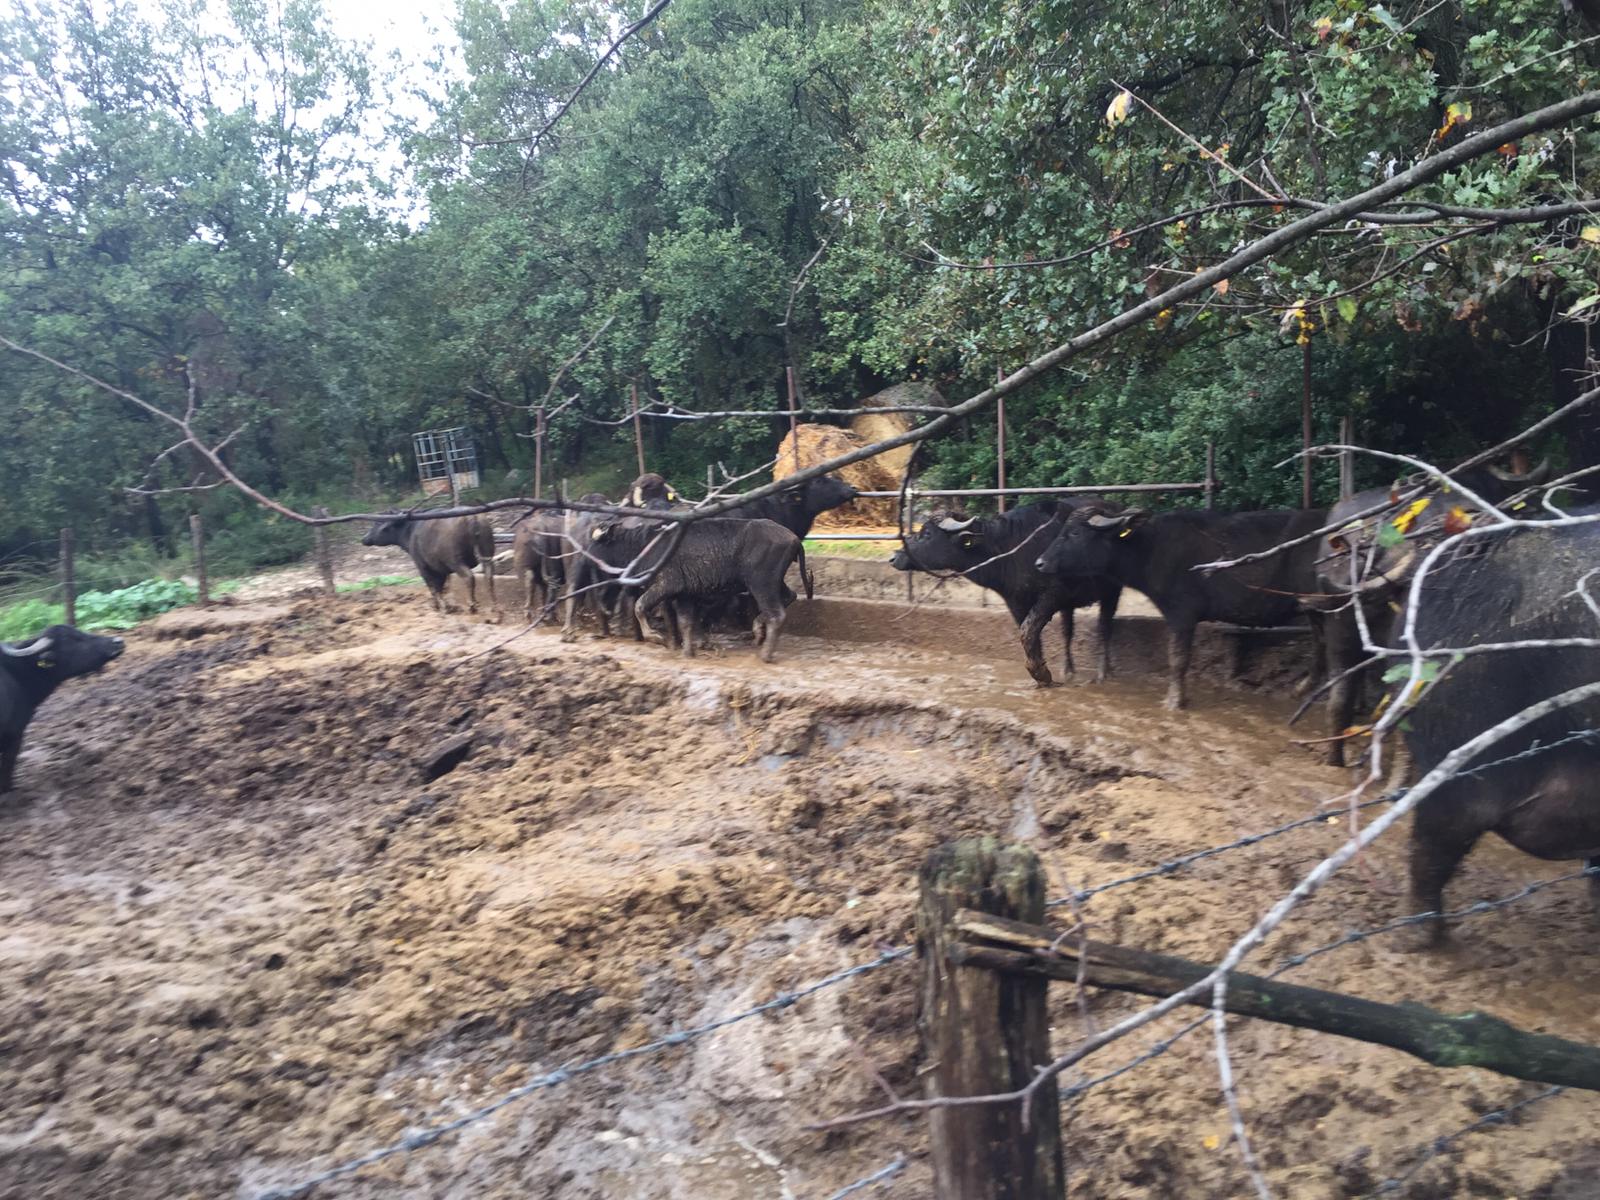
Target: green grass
<point x="119" y="609"/>
<point x="868" y="550"/>
<point x="378" y="581"/>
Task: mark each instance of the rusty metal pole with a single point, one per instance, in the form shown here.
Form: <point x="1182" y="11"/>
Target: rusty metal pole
<point x="69" y="580"/>
<point x="638" y="429"/>
<point x="1305" y="424"/>
<point x="794" y="433"/>
<point x="1211" y="475"/>
<point x="1000" y="441"/>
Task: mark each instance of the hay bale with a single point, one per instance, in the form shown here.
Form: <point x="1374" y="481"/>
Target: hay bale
<point x="818" y="443"/>
<point x="876" y="426"/>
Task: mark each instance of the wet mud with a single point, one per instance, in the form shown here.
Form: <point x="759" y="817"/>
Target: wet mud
<point x="294" y="878"/>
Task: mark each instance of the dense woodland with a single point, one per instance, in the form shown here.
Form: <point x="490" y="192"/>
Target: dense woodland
<point x="218" y="202"/>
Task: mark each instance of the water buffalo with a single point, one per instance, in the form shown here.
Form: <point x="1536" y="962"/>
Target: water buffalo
<point x="539" y="554"/>
<point x="797" y="508"/>
<point x="1157" y="553"/>
<point x="651" y="491"/>
<point x="1352" y="567"/>
<point x="440" y="548"/>
<point x="1000" y="553"/>
<point x="706" y="560"/>
<point x="30" y="671"/>
<point x="1509" y="585"/>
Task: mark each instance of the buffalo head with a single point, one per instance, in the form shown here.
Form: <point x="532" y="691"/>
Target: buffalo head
<point x="387" y="532"/>
<point x="1089" y="539"/>
<point x="60" y="653"/>
<point x="818" y="495"/>
<point x="949" y="541"/>
<point x="651" y="491"/>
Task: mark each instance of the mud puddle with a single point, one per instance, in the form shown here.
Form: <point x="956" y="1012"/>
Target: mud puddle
<point x="244" y="938"/>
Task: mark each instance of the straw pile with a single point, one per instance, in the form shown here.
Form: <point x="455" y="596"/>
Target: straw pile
<point x="881" y="473"/>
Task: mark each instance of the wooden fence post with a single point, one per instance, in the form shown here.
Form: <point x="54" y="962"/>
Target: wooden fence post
<point x="1000" y="442"/>
<point x="794" y="433"/>
<point x="324" y="552"/>
<point x="198" y="535"/>
<point x="638" y="428"/>
<point x="984" y="1031"/>
<point x="1305" y="420"/>
<point x="1211" y="475"/>
<point x="69" y="580"/>
<point x="1347" y="460"/>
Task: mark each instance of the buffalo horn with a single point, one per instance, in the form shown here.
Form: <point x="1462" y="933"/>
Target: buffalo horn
<point x="38" y="646"/>
<point x="951" y="525"/>
<point x="1532" y="479"/>
<point x="1389" y="575"/>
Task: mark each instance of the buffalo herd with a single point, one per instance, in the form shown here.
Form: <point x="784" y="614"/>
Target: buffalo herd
<point x="1353" y="574"/>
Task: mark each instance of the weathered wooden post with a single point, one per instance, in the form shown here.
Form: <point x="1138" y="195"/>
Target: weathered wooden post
<point x="538" y="454"/>
<point x="1347" y="459"/>
<point x="985" y="1031"/>
<point x="794" y="433"/>
<point x="1210" y="490"/>
<point x="197" y="534"/>
<point x="638" y="428"/>
<point x="324" y="552"/>
<point x="1000" y="442"/>
<point x="1305" y="420"/>
<point x="69" y="580"/>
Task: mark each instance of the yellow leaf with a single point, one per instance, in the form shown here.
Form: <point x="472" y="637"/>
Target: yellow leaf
<point x="1591" y="233"/>
<point x="1220" y="287"/>
<point x="1117" y="110"/>
<point x="1323" y="26"/>
<point x="1403" y="521"/>
<point x="1163" y="318"/>
<point x="1211" y="1141"/>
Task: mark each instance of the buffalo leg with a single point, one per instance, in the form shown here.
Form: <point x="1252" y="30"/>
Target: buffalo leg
<point x="10" y="749"/>
<point x="1109" y="597"/>
<point x="1341" y="646"/>
<point x="1180" y="647"/>
<point x="435" y="582"/>
<point x="1444" y="829"/>
<point x="1032" y="632"/>
<point x="1319" y="655"/>
<point x="472" y="589"/>
<point x="687" y="627"/>
<point x="770" y="614"/>
<point x="1067" y="623"/>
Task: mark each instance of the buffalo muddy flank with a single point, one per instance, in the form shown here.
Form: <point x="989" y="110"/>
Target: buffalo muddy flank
<point x="291" y="879"/>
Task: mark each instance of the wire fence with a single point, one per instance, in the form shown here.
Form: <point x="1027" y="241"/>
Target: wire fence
<point x="882" y="1177"/>
<point x="427" y="1137"/>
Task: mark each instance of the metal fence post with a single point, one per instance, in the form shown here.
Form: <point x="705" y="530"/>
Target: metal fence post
<point x="1210" y="486"/>
<point x="1347" y="459"/>
<point x="638" y="428"/>
<point x="324" y="552"/>
<point x="1000" y="440"/>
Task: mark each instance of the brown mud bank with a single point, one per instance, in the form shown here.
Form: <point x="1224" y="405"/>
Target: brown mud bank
<point x="252" y="924"/>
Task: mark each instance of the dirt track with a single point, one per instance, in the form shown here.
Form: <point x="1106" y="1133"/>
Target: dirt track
<point x="242" y="939"/>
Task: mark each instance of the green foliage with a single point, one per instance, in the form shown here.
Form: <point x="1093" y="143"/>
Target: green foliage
<point x="378" y="581"/>
<point x="120" y="609"/>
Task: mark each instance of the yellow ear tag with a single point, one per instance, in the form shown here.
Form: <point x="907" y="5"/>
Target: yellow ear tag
<point x="1126" y="532"/>
<point x="671" y="495"/>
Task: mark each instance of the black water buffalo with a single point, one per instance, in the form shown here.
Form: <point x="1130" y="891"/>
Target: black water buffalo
<point x="1514" y="585"/>
<point x="30" y="671"/>
<point x="651" y="491"/>
<point x="539" y="552"/>
<point x="797" y="508"/>
<point x="1000" y="553"/>
<point x="1157" y="553"/>
<point x="440" y="548"/>
<point x="1352" y="567"/>
<point x="704" y="561"/>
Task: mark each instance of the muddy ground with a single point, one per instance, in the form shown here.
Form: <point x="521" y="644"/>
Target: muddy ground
<point x="242" y="937"/>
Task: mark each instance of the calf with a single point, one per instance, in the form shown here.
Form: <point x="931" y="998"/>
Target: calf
<point x="440" y="548"/>
<point x="30" y="671"/>
<point x="539" y="555"/>
<point x="706" y="560"/>
<point x="999" y="553"/>
<point x="1156" y="554"/>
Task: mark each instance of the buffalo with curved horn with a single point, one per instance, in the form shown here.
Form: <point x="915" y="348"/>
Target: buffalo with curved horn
<point x="30" y="671"/>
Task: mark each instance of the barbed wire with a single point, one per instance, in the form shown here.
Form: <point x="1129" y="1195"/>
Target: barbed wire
<point x="1073" y="1090"/>
<point x="1171" y="866"/>
<point x="1471" y="910"/>
<point x="1442" y="1144"/>
<point x="426" y="1137"/>
<point x="881" y="1175"/>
